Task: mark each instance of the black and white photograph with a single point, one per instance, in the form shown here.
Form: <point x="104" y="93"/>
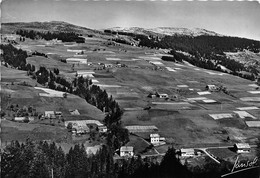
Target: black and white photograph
<point x="130" y="89"/>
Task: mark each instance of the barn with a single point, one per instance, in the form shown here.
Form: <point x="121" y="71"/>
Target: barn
<point x="242" y="147"/>
<point x="127" y="151"/>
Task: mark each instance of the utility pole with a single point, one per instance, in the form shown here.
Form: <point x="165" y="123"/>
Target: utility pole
<point x="52" y="173"/>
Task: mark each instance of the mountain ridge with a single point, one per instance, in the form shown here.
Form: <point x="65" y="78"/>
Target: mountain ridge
<point x="167" y="31"/>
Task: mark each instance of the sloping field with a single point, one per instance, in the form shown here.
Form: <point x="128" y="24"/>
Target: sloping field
<point x="221" y="116"/>
<point x="254" y="92"/>
<point x="253" y="123"/>
<point x="244" y="114"/>
<point x="12" y="75"/>
<point x="209" y="101"/>
<point x="83" y="122"/>
<point x="170" y="69"/>
<point x="140" y="128"/>
<point x="50" y="92"/>
<point x="251" y="99"/>
<point x="204" y="93"/>
<point x="38" y="61"/>
<point x="21" y="131"/>
<point x="248" y="108"/>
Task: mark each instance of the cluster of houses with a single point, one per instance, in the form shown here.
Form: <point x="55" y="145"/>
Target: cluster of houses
<point x="191" y="152"/>
<point x="22" y="114"/>
<point x="155" y="140"/>
<point x="24" y="119"/>
<point x="46" y="115"/>
<point x="82" y="126"/>
<point x="128" y="151"/>
<point x="53" y="42"/>
<point x="118" y="65"/>
<point x="52" y="115"/>
<point x="76" y="61"/>
<point x="158" y="95"/>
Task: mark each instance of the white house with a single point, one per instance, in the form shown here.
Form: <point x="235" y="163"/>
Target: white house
<point x="77" y="60"/>
<point x="151" y="95"/>
<point x="92" y="150"/>
<point x="163" y="95"/>
<point x="74" y="112"/>
<point x="58" y="113"/>
<point x="76" y="50"/>
<point x="102" y="129"/>
<point x="108" y="65"/>
<point x="31" y="118"/>
<point x="155" y="138"/>
<point x="211" y="87"/>
<point x="242" y="147"/>
<point x="81" y="129"/>
<point x="127" y="151"/>
<point x="49" y="114"/>
<point x="187" y="152"/>
<point x="19" y="118"/>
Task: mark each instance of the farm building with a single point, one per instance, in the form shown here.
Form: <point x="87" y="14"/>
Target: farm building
<point x="19" y="118"/>
<point x="77" y="60"/>
<point x="140" y="128"/>
<point x="242" y="147"/>
<point x="127" y="151"/>
<point x="187" y="152"/>
<point x="108" y="65"/>
<point x="58" y="114"/>
<point x="76" y="50"/>
<point x="83" y="122"/>
<point x="31" y="118"/>
<point x="151" y="95"/>
<point x="49" y="114"/>
<point x="155" y="138"/>
<point x="53" y="114"/>
<point x="80" y="129"/>
<point x="92" y="150"/>
<point x="212" y="87"/>
<point x="163" y="95"/>
<point x="74" y="112"/>
<point x="102" y="129"/>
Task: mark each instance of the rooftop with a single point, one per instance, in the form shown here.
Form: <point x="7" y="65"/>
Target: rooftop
<point x="49" y="112"/>
<point x="187" y="150"/>
<point x="242" y="145"/>
<point x="154" y="135"/>
<point x="127" y="148"/>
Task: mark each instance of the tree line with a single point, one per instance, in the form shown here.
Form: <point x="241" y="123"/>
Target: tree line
<point x="14" y="57"/>
<point x="44" y="160"/>
<point x="64" y="36"/>
<point x="235" y="67"/>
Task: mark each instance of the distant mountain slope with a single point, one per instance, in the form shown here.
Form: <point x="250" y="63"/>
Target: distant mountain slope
<point x="46" y="26"/>
<point x="166" y="31"/>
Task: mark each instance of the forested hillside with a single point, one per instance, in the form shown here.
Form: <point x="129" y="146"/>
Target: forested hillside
<point x="44" y="160"/>
<point x="204" y="51"/>
<point x="63" y="36"/>
<point x="79" y="86"/>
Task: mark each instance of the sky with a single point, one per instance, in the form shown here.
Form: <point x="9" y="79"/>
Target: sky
<point x="232" y="18"/>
